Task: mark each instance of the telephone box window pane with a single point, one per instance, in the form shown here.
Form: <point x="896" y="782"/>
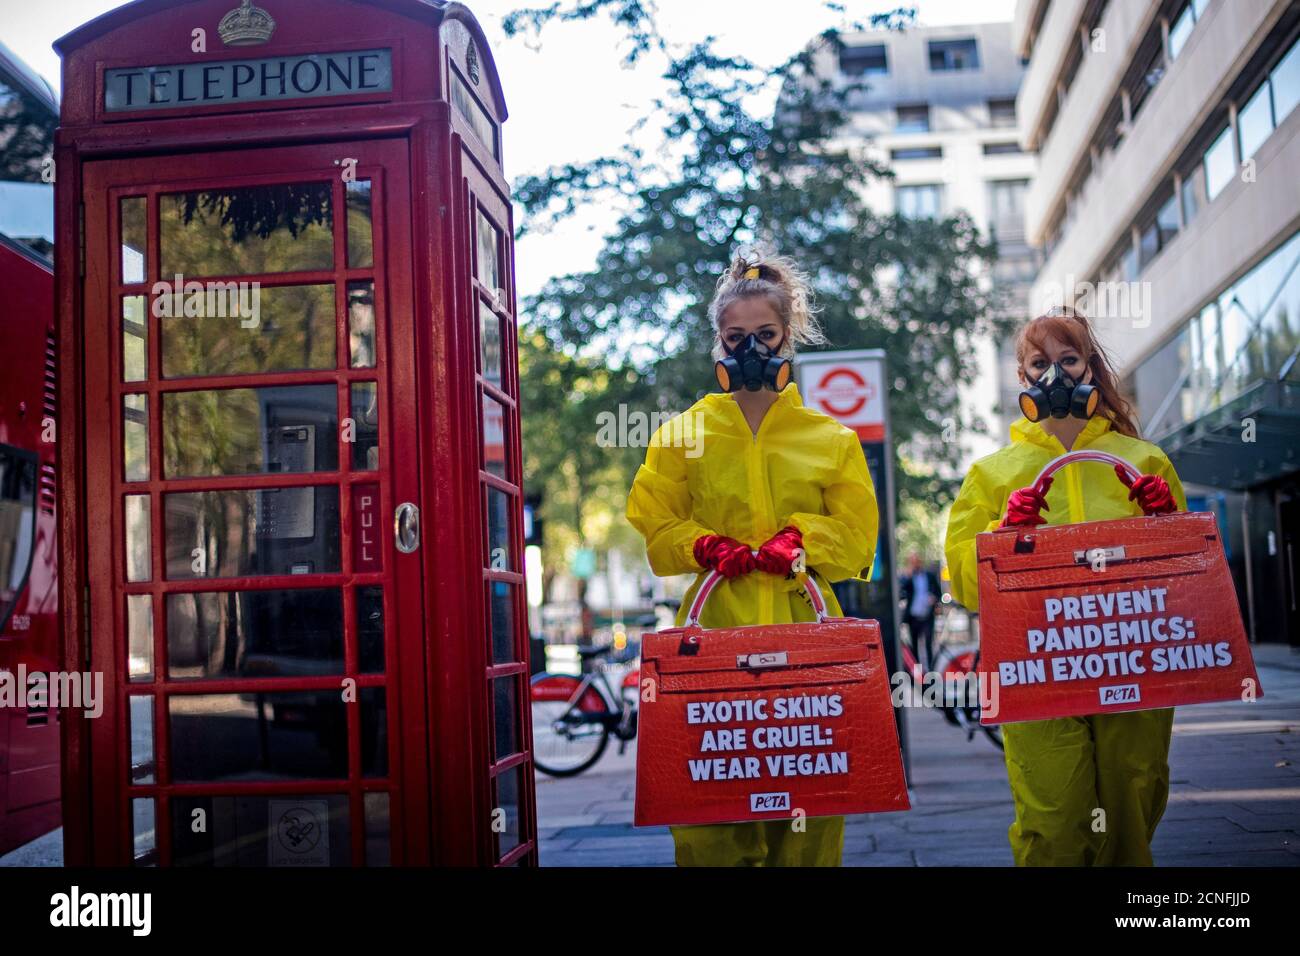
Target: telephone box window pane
<point x="505" y="797"/>
<point x="361" y="252"/>
<point x="139" y="562"/>
<point x="370" y="629"/>
<point x="365" y="422"/>
<point x="378" y="831"/>
<point x="143" y="824"/>
<point x="135" y="437"/>
<point x="280" y="227"/>
<point x="287" y="429"/>
<point x="222" y="534"/>
<point x="278" y="329"/>
<point x="489" y="256"/>
<point x="141" y="709"/>
<point x="463" y="100"/>
<point x="280" y="735"/>
<point x="135" y="339"/>
<point x="374" y="732"/>
<point x="288" y="830"/>
<point x="134" y="216"/>
<point x="361" y="324"/>
<point x="494" y="437"/>
<point x="282" y="633"/>
<point x="489" y="338"/>
<point x="501" y="621"/>
<point x="139" y="637"/>
<point x="500" y="557"/>
<point x="505" y="716"/>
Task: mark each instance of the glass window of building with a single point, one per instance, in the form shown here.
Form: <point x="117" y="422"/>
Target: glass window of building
<point x="917" y="152"/>
<point x="919" y="202"/>
<point x="1193" y="192"/>
<point x="913" y="119"/>
<point x="870" y="59"/>
<point x="1002" y="112"/>
<point x="1255" y="121"/>
<point x="1001" y="149"/>
<point x="954" y="55"/>
<point x="1285" y="80"/>
<point x="1220" y="166"/>
<point x="1128" y="264"/>
<point x="1180" y="29"/>
<point x="1007" y="201"/>
<point x="1148" y="76"/>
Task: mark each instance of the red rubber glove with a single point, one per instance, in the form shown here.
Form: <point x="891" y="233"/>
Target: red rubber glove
<point x="725" y="555"/>
<point x="1023" y="506"/>
<point x="1151" y="493"/>
<point x="778" y="554"/>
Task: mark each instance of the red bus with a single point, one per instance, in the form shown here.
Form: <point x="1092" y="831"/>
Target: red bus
<point x="29" y="596"/>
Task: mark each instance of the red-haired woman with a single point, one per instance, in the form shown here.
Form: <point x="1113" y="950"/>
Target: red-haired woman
<point x="1088" y="791"/>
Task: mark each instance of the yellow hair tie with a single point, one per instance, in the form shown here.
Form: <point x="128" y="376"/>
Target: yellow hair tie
<point x="752" y="272"/>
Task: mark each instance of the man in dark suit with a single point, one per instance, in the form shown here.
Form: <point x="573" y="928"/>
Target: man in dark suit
<point x="920" y="594"/>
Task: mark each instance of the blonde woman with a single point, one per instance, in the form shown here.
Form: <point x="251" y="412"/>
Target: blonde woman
<point x="776" y="487"/>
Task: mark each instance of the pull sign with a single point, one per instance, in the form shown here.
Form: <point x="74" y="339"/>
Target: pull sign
<point x="756" y="661"/>
<point x="367" y="528"/>
<point x="1107" y="555"/>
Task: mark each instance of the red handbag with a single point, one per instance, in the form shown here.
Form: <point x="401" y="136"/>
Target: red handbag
<point x="765" y="722"/>
<point x="1102" y="616"/>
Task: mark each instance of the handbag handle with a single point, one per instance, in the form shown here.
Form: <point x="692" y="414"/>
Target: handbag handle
<point x="1071" y="457"/>
<point x="711" y="581"/>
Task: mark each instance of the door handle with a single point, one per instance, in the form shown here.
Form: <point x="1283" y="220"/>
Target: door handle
<point x="406" y="527"/>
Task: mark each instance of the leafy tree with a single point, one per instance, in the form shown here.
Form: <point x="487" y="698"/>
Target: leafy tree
<point x="635" y="328"/>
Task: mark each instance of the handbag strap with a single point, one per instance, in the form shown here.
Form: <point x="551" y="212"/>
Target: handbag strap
<point x="711" y="581"/>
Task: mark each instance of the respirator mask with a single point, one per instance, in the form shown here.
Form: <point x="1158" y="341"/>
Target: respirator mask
<point x="1058" y="395"/>
<point x="751" y="365"/>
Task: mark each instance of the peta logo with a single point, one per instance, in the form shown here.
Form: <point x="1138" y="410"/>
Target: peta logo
<point x="132" y="910"/>
<point x="1120" y="694"/>
<point x="764" y="802"/>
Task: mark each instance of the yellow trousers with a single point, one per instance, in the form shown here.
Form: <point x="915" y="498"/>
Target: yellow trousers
<point x="768" y="843"/>
<point x="1088" y="791"/>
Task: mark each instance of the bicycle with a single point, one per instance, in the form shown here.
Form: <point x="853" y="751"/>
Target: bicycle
<point x="956" y="664"/>
<point x="573" y="718"/>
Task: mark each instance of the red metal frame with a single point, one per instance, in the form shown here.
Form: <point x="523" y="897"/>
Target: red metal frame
<point x="431" y="173"/>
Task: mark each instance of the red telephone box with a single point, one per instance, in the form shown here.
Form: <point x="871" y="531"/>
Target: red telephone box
<point x="292" y="524"/>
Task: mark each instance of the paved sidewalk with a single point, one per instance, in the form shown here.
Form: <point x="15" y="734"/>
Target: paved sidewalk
<point x="1234" y="795"/>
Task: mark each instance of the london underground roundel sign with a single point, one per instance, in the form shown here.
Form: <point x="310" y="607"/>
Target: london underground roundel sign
<point x="846" y="388"/>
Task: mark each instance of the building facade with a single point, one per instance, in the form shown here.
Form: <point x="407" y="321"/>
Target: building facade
<point x="939" y="110"/>
<point x="1167" y="205"/>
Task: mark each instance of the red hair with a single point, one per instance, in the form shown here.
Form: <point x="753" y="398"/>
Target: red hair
<point x="1072" y="327"/>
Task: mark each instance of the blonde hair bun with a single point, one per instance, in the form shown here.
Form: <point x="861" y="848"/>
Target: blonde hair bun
<point x="777" y="279"/>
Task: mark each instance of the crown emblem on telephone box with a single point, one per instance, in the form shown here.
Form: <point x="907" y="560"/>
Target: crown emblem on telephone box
<point x="246" y="25"/>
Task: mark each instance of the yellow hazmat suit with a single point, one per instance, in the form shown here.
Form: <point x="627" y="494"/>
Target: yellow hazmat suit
<point x="1062" y="771"/>
<point x="707" y="473"/>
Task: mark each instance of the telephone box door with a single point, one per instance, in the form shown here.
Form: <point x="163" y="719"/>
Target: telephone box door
<point x="252" y="527"/>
